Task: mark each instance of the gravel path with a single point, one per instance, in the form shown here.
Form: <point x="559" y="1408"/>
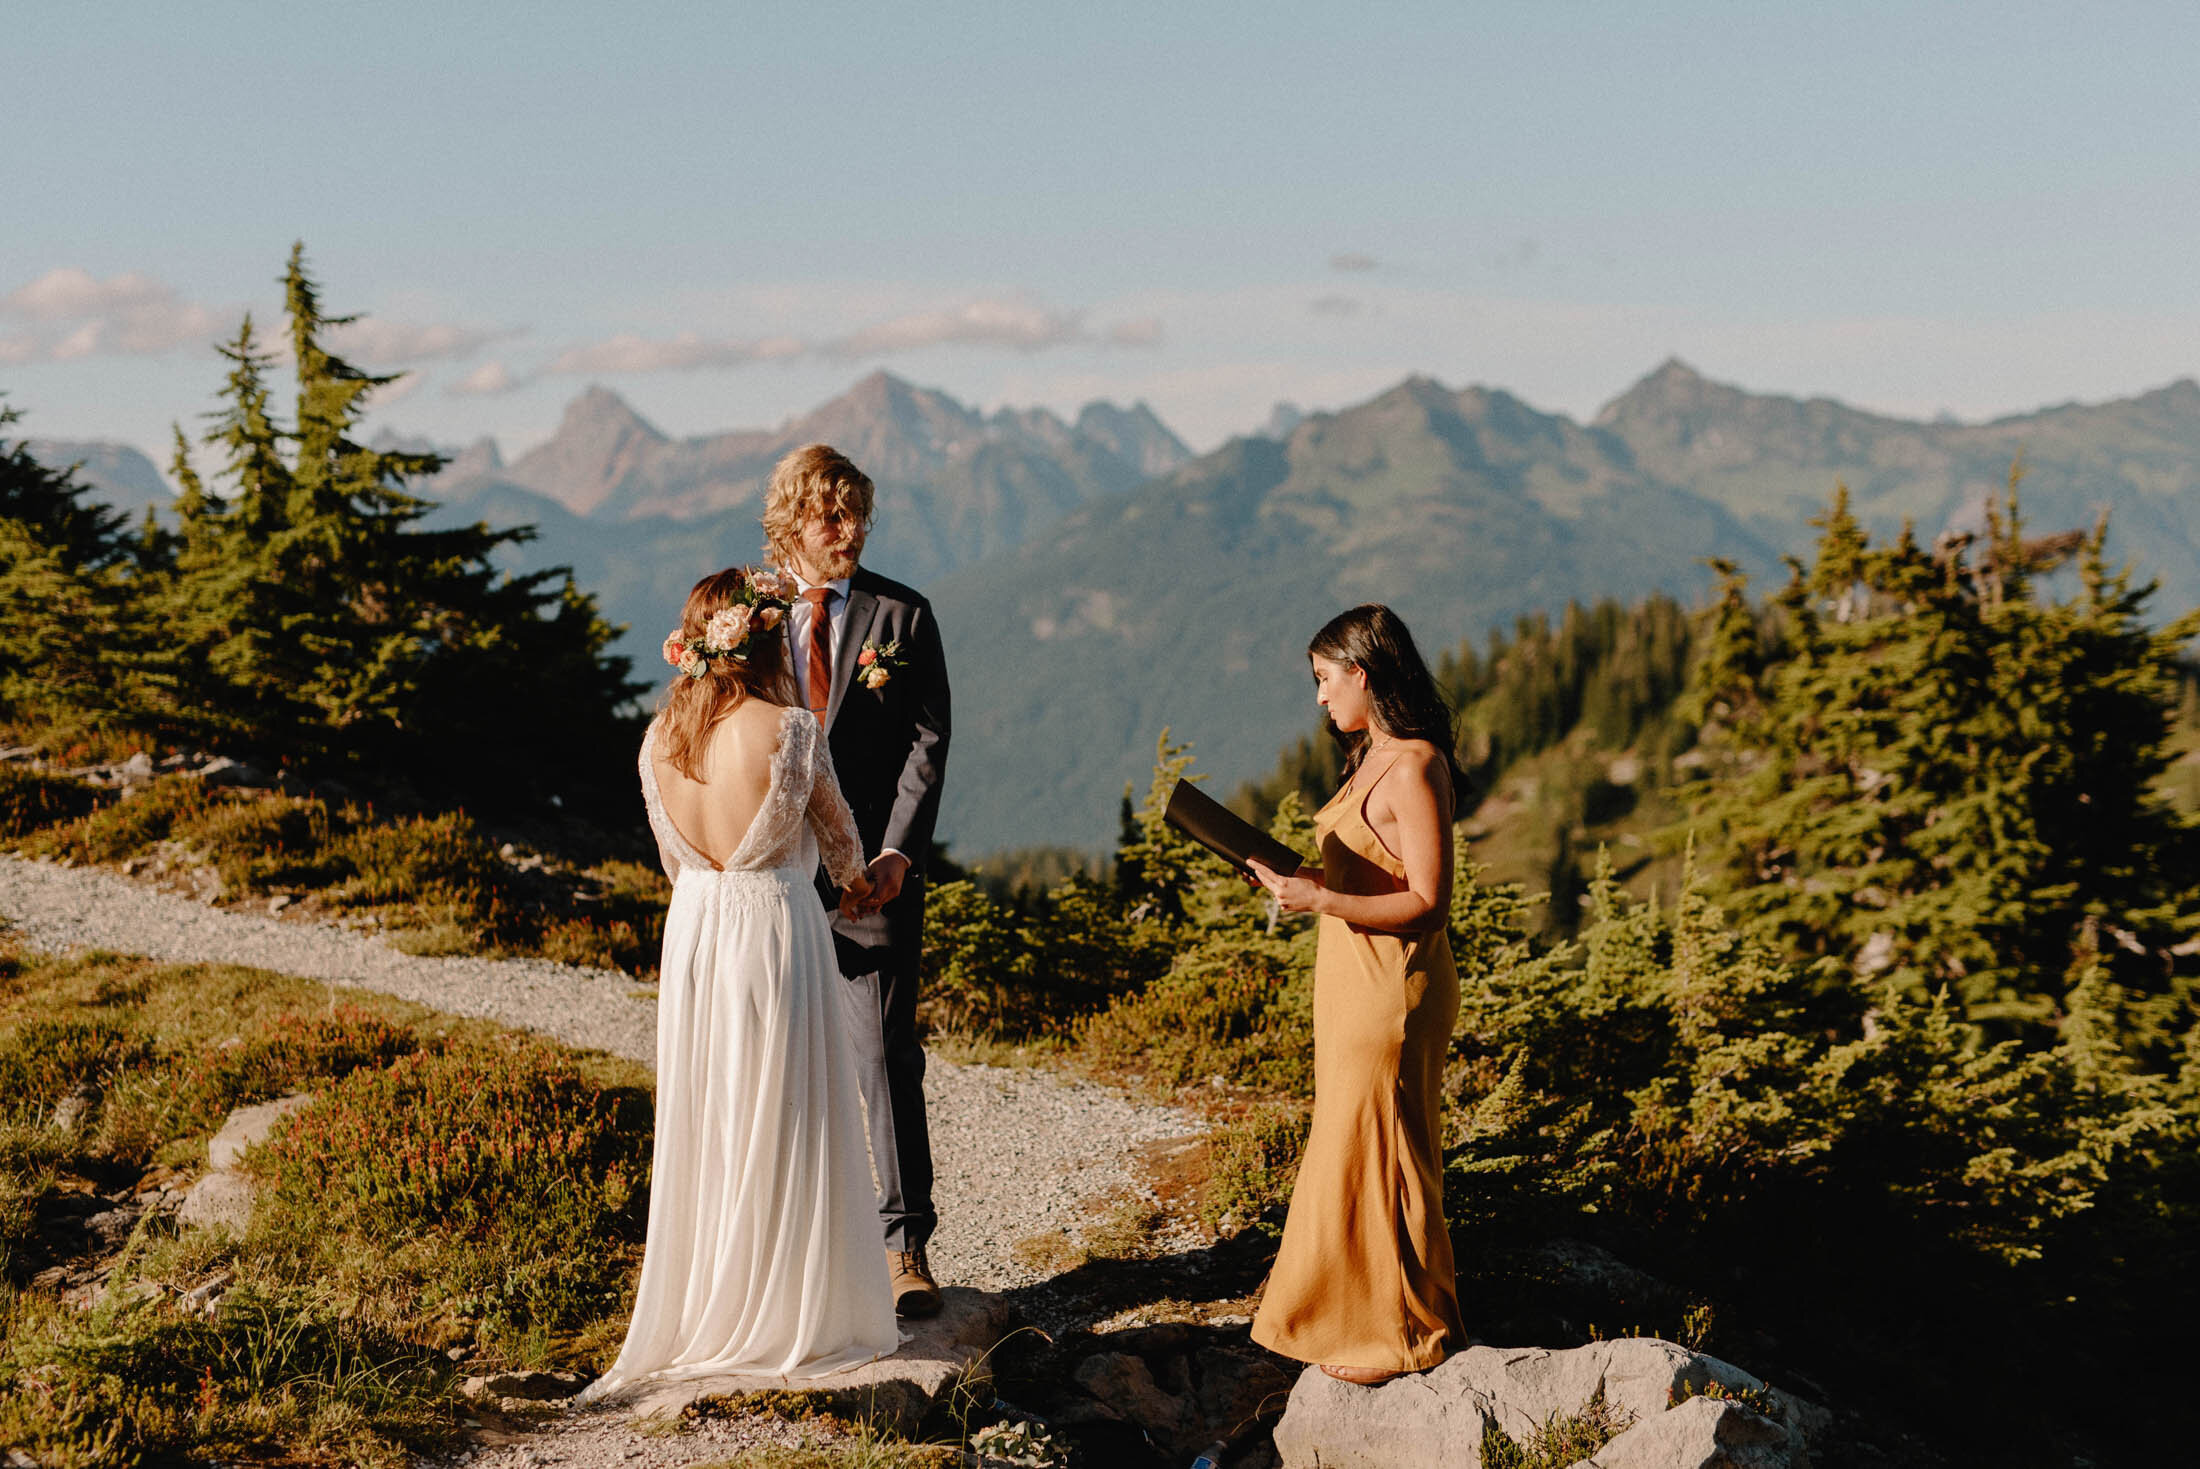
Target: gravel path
<point x="1018" y="1153"/>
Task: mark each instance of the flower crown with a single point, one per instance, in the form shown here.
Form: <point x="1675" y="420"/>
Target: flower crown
<point x="759" y="604"/>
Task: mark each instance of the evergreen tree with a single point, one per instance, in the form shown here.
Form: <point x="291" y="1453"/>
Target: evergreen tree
<point x="1946" y="781"/>
<point x="64" y="599"/>
<point x="321" y="622"/>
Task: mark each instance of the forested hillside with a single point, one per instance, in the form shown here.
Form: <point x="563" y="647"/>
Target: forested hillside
<point x="1187" y="604"/>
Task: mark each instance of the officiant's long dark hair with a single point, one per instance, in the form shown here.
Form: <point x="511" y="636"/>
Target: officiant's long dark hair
<point x="1408" y="705"/>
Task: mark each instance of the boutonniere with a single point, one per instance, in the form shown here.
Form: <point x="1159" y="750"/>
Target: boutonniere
<point x="879" y="662"/>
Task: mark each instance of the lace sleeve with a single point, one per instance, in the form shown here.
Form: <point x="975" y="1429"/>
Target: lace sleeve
<point x="837" y="841"/>
<point x="652" y="806"/>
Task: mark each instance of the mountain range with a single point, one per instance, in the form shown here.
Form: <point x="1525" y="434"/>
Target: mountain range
<point x="640" y="515"/>
<point x="1096" y="582"/>
<point x="1188" y="602"/>
<point x="117" y="473"/>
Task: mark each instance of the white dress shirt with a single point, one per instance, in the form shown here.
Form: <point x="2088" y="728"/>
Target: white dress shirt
<point x="798" y="640"/>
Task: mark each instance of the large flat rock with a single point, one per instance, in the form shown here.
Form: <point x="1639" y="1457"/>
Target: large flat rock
<point x="1435" y="1419"/>
<point x="898" y="1391"/>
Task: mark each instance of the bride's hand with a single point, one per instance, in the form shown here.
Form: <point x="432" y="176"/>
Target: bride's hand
<point x="852" y="896"/>
<point x="1297" y="893"/>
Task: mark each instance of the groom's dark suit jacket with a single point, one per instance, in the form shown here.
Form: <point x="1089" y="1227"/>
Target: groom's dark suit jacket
<point x="889" y="748"/>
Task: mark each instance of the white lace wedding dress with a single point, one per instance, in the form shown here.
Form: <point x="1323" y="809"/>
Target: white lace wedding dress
<point x="763" y="1252"/>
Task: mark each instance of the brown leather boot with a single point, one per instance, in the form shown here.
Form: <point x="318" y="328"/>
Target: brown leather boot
<point x="916" y="1293"/>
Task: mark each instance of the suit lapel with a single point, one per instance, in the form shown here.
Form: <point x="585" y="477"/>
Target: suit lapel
<point x="854" y="632"/>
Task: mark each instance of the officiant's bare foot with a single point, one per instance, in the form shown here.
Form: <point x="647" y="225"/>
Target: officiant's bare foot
<point x="1362" y="1376"/>
<point x="916" y="1293"/>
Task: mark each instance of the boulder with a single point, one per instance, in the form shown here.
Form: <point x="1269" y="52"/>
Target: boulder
<point x="250" y="1125"/>
<point x="940" y="1355"/>
<point x="219" y="1200"/>
<point x="1436" y="1418"/>
<point x="223" y="771"/>
<point x="1703" y="1433"/>
<point x="222" y="1198"/>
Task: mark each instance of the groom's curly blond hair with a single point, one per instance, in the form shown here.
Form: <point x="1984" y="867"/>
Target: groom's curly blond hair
<point x="814" y="480"/>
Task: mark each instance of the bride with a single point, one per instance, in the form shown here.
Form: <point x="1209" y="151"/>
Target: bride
<point x="762" y="1253"/>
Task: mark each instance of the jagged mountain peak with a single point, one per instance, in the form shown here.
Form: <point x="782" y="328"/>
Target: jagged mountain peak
<point x="1672" y="387"/>
<point x="1135" y="434"/>
<point x="599" y="410"/>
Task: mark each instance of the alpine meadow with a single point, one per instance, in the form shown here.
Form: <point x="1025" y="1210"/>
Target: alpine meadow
<point x="1827" y="916"/>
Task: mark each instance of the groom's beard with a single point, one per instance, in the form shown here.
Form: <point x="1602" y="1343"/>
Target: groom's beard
<point x="835" y="568"/>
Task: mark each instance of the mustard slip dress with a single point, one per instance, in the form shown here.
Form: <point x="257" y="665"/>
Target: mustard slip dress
<point x="1364" y="1275"/>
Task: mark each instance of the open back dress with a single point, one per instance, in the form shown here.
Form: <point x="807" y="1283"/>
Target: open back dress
<point x="763" y="1252"/>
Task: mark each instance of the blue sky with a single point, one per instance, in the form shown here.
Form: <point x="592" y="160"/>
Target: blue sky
<point x="727" y="213"/>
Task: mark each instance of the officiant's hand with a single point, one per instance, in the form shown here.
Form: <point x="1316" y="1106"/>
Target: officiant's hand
<point x="1295" y="894"/>
<point x="887" y="871"/>
<point x="852" y="896"/>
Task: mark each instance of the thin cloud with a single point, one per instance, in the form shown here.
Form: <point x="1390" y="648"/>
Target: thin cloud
<point x="75" y="314"/>
<point x="1004" y="323"/>
<point x="1335" y="306"/>
<point x="395" y="343"/>
<point x="1020" y="326"/>
<point x="486" y="381"/>
<point x="684" y="353"/>
<point x="1352" y="262"/>
<point x="1144" y="332"/>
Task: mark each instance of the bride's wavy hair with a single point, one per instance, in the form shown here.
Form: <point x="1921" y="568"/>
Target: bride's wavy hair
<point x="693" y="707"/>
<point x="1408" y="705"/>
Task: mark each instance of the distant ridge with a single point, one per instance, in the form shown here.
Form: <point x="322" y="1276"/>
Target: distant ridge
<point x="1187" y="603"/>
<point x="606" y="461"/>
<point x="1095" y="581"/>
<point x="640" y="515"/>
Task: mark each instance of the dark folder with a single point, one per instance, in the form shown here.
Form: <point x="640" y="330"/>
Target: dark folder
<point x="1212" y="825"/>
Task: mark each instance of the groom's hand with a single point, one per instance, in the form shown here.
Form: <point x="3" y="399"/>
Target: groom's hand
<point x="887" y="870"/>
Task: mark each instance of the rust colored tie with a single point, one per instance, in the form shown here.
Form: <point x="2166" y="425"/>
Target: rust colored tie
<point x="817" y="676"/>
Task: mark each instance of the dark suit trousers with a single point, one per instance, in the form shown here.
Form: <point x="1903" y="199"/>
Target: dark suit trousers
<point x="882" y="1025"/>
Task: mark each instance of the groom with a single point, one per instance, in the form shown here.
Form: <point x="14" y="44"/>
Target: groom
<point x="867" y="660"/>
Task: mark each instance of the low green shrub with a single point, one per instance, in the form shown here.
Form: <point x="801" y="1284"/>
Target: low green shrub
<point x="1252" y="1162"/>
<point x="45" y="1057"/>
<point x="525" y="1177"/>
<point x="416" y="859"/>
<point x="137" y="1381"/>
<point x="32" y="799"/>
<point x="283" y="1054"/>
<point x="505" y="1213"/>
<point x="1236" y="1009"/>
<point x="268" y="842"/>
<point x="1005" y="969"/>
<point x="131" y="825"/>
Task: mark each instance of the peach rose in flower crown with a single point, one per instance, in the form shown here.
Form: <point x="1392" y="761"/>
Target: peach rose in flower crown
<point x="767" y="617"/>
<point x="727" y="629"/>
<point x="674" y="650"/>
